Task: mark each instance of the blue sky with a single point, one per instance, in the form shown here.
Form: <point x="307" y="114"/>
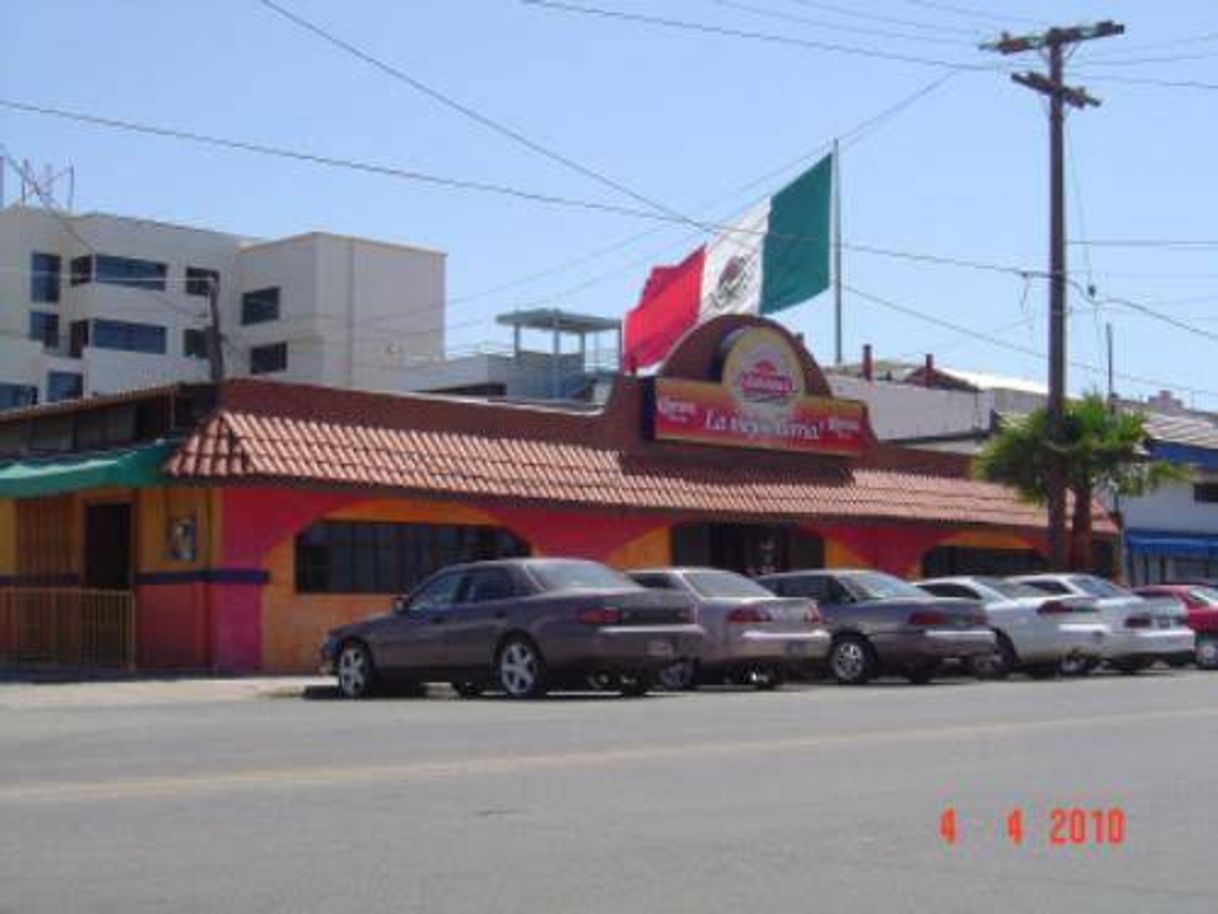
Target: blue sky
<point x="690" y="119"/>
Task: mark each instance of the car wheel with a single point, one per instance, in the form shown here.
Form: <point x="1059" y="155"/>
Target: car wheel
<point x="468" y="689"/>
<point x="600" y="681"/>
<point x="998" y="665"/>
<point x="356" y="673"/>
<point x="679" y="677"/>
<point x="852" y="660"/>
<point x="522" y="671"/>
<point x="1077" y="665"/>
<point x="1207" y="653"/>
<point x="766" y="678"/>
<point x="634" y="685"/>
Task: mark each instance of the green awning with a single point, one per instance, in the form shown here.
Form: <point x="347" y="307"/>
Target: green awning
<point x="133" y="467"/>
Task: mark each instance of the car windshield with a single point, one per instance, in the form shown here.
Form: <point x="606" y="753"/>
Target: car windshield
<point x="580" y="576"/>
<point x="718" y="584"/>
<point x="875" y="585"/>
<point x="1206" y="595"/>
<point x="1009" y="589"/>
<point x="1097" y="587"/>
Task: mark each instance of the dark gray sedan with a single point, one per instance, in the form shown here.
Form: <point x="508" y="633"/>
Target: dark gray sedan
<point x="520" y="625"/>
<point x="881" y="623"/>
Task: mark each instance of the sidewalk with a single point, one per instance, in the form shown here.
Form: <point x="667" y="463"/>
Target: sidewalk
<point x="55" y="689"/>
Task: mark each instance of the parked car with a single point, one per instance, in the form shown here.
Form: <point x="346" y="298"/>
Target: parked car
<point x="1143" y="629"/>
<point x="1037" y="633"/>
<point x="521" y="625"/>
<point x="753" y="637"/>
<point x="1201" y="604"/>
<point x="880" y="622"/>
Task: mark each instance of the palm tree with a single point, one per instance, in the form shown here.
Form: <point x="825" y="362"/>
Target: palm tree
<point x="1103" y="450"/>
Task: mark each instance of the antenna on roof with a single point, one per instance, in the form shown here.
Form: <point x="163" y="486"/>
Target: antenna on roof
<point x="42" y="192"/>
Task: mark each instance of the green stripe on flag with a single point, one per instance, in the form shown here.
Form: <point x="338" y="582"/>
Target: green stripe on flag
<point x="795" y="259"/>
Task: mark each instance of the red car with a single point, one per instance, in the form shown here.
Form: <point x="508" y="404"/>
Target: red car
<point x="1201" y="601"/>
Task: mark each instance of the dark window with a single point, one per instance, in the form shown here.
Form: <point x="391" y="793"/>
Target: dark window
<point x="45" y="328"/>
<point x="949" y="590"/>
<point x="438" y="594"/>
<point x="266" y="359"/>
<point x="199" y="281"/>
<point x="655" y="581"/>
<point x="1206" y="492"/>
<point x="378" y="557"/>
<point x="194" y="343"/>
<point x="44" y="277"/>
<point x="64" y="385"/>
<point x="950" y="561"/>
<point x="78" y="338"/>
<point x="82" y="269"/>
<point x="1049" y="586"/>
<point x="13" y="396"/>
<point x="128" y="336"/>
<point x="260" y="306"/>
<point x="487" y="584"/>
<point x="128" y="271"/>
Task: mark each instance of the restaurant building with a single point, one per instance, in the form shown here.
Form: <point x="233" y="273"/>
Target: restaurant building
<point x="228" y="527"/>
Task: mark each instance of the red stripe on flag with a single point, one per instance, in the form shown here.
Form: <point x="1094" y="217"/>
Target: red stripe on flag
<point x="666" y="309"/>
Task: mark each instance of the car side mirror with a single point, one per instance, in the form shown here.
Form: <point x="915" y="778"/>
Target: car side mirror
<point x="400" y="604"/>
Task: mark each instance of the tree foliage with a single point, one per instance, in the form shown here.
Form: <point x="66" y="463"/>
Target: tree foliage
<point x="1102" y="450"/>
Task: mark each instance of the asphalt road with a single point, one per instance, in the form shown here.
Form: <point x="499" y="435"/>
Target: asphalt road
<point x="813" y="798"/>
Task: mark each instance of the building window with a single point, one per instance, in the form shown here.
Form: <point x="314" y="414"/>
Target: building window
<point x="119" y="271"/>
<point x="78" y="338"/>
<point x="81" y="270"/>
<point x="1205" y="492"/>
<point x="45" y="328"/>
<point x="129" y="336"/>
<point x="199" y="281"/>
<point x="260" y="306"/>
<point x="266" y="359"/>
<point x="64" y="385"/>
<point x="44" y="277"/>
<point x="358" y="557"/>
<point x="14" y="396"/>
<point x="194" y="343"/>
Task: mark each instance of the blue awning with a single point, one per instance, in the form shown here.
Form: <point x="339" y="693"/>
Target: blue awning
<point x="1155" y="542"/>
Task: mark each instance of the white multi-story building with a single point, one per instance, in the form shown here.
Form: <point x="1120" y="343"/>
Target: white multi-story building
<point x="94" y="303"/>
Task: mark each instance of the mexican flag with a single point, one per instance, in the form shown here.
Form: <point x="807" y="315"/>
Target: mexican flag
<point x="775" y="256"/>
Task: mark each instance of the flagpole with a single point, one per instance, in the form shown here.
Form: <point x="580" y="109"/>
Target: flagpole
<point x="837" y="254"/>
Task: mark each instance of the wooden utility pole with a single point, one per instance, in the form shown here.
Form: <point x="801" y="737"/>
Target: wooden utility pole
<point x="214" y="340"/>
<point x="1053" y="42"/>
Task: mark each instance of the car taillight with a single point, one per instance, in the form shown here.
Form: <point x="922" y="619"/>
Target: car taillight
<point x="1053" y="608"/>
<point x="928" y="617"/>
<point x="1137" y="622"/>
<point x="745" y="614"/>
<point x="601" y="615"/>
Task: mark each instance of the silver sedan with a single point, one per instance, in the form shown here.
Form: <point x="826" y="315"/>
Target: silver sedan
<point x="752" y="636"/>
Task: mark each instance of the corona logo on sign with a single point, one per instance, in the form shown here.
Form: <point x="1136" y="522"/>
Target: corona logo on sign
<point x="760" y="401"/>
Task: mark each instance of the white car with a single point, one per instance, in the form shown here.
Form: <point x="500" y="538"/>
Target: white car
<point x="1037" y="633"/>
<point x="1144" y="629"/>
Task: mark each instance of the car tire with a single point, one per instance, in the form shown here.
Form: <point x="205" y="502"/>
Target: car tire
<point x="767" y="678"/>
<point x="634" y="685"/>
<point x="355" y="670"/>
<point x="1074" y="666"/>
<point x="469" y="689"/>
<point x="681" y="676"/>
<point x="852" y="660"/>
<point x="1207" y="653"/>
<point x="521" y="668"/>
<point x="998" y="665"/>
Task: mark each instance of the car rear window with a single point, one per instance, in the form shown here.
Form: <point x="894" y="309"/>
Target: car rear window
<point x="1010" y="589"/>
<point x="1097" y="587"/>
<point x="577" y="575"/>
<point x="875" y="585"/>
<point x="718" y="584"/>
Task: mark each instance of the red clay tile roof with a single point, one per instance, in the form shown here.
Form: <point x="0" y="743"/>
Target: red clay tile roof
<point x="258" y="447"/>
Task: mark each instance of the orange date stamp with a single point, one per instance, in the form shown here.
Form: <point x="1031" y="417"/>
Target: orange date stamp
<point x="1061" y="826"/>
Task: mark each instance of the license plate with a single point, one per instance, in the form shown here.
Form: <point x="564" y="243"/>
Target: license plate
<point x="660" y="648"/>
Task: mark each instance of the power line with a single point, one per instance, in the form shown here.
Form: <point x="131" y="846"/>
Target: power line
<point x="1153" y="45"/>
<point x="1015" y="347"/>
<point x="835" y="26"/>
<point x="1141" y="81"/>
<point x="723" y="31"/>
<point x="465" y="110"/>
<point x="891" y="20"/>
<point x="1164" y="243"/>
<point x="1001" y="18"/>
<point x="1094" y="62"/>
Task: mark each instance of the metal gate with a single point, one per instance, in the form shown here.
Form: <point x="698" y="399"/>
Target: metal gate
<point x="67" y="626"/>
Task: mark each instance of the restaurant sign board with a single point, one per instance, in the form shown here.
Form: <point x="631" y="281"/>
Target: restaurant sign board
<point x="760" y="402"/>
